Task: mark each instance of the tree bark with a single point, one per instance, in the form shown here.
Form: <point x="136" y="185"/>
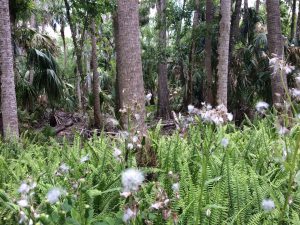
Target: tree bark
<point x="163" y="108"/>
<point x="275" y="45"/>
<point x="192" y="55"/>
<point x="131" y="84"/>
<point x="223" y="52"/>
<point x="293" y="19"/>
<point x="298" y="27"/>
<point x="117" y="84"/>
<point x="76" y="49"/>
<point x="130" y="77"/>
<point x="96" y="85"/>
<point x="8" y="94"/>
<point x="62" y="33"/>
<point x="208" y="52"/>
<point x="235" y="22"/>
<point x="257" y="5"/>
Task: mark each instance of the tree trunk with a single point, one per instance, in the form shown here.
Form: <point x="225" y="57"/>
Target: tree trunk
<point x="130" y="77"/>
<point x="192" y="55"/>
<point x="208" y="52"/>
<point x="293" y="20"/>
<point x="163" y="108"/>
<point x="246" y="15"/>
<point x="117" y="93"/>
<point x="8" y="94"/>
<point x="298" y="27"/>
<point x="235" y="22"/>
<point x="97" y="113"/>
<point x="76" y="49"/>
<point x="257" y="5"/>
<point x="62" y="33"/>
<point x="275" y="45"/>
<point x="223" y="52"/>
<point x="178" y="45"/>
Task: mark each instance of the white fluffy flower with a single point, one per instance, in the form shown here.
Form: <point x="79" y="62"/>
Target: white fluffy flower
<point x="84" y="159"/>
<point x="262" y="106"/>
<point x="23" y="217"/>
<point x="23" y="203"/>
<point x="132" y="179"/>
<point x="268" y="205"/>
<point x="175" y="187"/>
<point x="283" y="130"/>
<point x="128" y="215"/>
<point x="229" y="116"/>
<point x="148" y="97"/>
<point x="191" y="108"/>
<point x="54" y="194"/>
<point x="64" y="168"/>
<point x="117" y="153"/>
<point x="135" y="139"/>
<point x="24" y="188"/>
<point x="224" y="142"/>
<point x="130" y="146"/>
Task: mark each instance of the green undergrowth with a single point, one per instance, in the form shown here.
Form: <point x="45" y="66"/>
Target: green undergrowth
<point x="218" y="184"/>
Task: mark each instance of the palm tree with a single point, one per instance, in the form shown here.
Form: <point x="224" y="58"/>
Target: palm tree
<point x="257" y="5"/>
<point x="96" y="84"/>
<point x="275" y="45"/>
<point x="130" y="77"/>
<point x="163" y="108"/>
<point x="192" y="55"/>
<point x="8" y="94"/>
<point x="223" y="51"/>
<point x="208" y="52"/>
<point x="293" y="19"/>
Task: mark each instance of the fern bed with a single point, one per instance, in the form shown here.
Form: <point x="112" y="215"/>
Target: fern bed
<point x="209" y="175"/>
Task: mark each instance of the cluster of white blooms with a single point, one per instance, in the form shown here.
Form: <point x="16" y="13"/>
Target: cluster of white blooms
<point x="54" y="194"/>
<point x="129" y="214"/>
<point x="84" y="159"/>
<point x="148" y="97"/>
<point x="62" y="169"/>
<point x="218" y="115"/>
<point x="26" y="190"/>
<point x="224" y="142"/>
<point x="268" y="205"/>
<point x="117" y="154"/>
<point x="262" y="107"/>
<point x="280" y="65"/>
<point x="132" y="179"/>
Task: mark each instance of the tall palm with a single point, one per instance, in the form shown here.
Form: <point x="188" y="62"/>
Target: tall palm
<point x="192" y="55"/>
<point x="275" y="45"/>
<point x="8" y="94"/>
<point x="208" y="52"/>
<point x="163" y="109"/>
<point x="96" y="83"/>
<point x="223" y="52"/>
<point x="130" y="76"/>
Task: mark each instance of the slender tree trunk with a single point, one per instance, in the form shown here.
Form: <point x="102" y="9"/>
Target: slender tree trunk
<point x="192" y="55"/>
<point x="208" y="52"/>
<point x="235" y="22"/>
<point x="130" y="77"/>
<point x="117" y="84"/>
<point x="76" y="49"/>
<point x="178" y="45"/>
<point x="8" y="94"/>
<point x="223" y="52"/>
<point x="246" y="15"/>
<point x="257" y="5"/>
<point x="96" y="84"/>
<point x="293" y="20"/>
<point x="275" y="45"/>
<point x="163" y="108"/>
<point x="298" y="27"/>
<point x="63" y="37"/>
